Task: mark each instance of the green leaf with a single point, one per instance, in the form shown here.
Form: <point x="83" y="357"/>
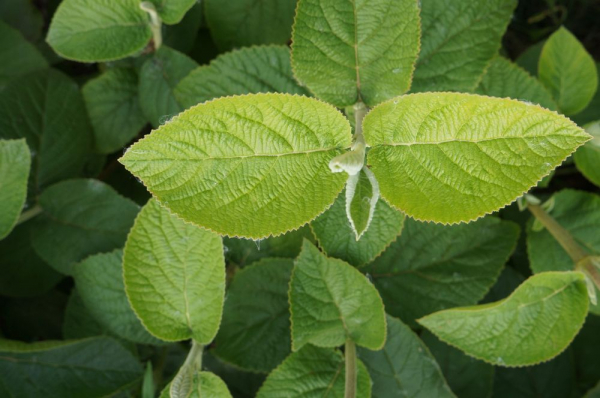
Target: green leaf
<point x="587" y="158"/>
<point x="432" y="267"/>
<point x="362" y="195"/>
<point x="252" y="70"/>
<point x="351" y="51"/>
<point x="248" y="166"/>
<point x="246" y="251"/>
<point x="80" y="218"/>
<point x="239" y="23"/>
<point x="172" y="11"/>
<point x="89" y="368"/>
<point x="23" y="16"/>
<point x="24" y="273"/>
<point x="592" y="112"/>
<point x="313" y="372"/>
<point x="185" y="36"/>
<point x="459" y="39"/>
<point x="505" y="79"/>
<point x="78" y="323"/>
<point x="585" y="350"/>
<point x="529" y="59"/>
<point x="158" y="78"/>
<point x="438" y="151"/>
<point x="534" y="324"/>
<point x="19" y="57"/>
<point x="579" y="213"/>
<point x="336" y="238"/>
<point x="242" y="384"/>
<point x="206" y="385"/>
<point x="57" y="130"/>
<point x="467" y="377"/>
<point x="92" y="31"/>
<point x="568" y="71"/>
<point x="174" y="276"/>
<point x="255" y="331"/>
<point x="330" y="302"/>
<point x="114" y="108"/>
<point x="99" y="280"/>
<point x="15" y="160"/>
<point x="404" y="367"/>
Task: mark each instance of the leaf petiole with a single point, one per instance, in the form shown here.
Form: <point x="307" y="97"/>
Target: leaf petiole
<point x="350" y="357"/>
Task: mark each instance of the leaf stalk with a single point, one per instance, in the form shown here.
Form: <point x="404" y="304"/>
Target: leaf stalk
<point x="350" y="357"/>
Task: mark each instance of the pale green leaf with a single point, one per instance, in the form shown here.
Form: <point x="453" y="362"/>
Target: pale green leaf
<point x="472" y="154"/>
<point x="158" y="78"/>
<point x="255" y="331"/>
<point x="466" y="376"/>
<point x="24" y="273"/>
<point x="330" y="302"/>
<point x="15" y="160"/>
<point x="568" y="71"/>
<point x="90" y="368"/>
<point x="239" y="23"/>
<point x="98" y="30"/>
<point x="404" y="367"/>
<point x="432" y="267"/>
<point x="172" y="11"/>
<point x="579" y="213"/>
<point x="248" y="166"/>
<point x="206" y="385"/>
<point x="80" y="218"/>
<point x="251" y="70"/>
<point x="362" y="195"/>
<point x="505" y="79"/>
<point x="114" y="108"/>
<point x="587" y="158"/>
<point x="313" y="372"/>
<point x="336" y="238"/>
<point x="534" y="324"/>
<point x="459" y="39"/>
<point x="47" y="109"/>
<point x="99" y="280"/>
<point x="352" y="50"/>
<point x="19" y="57"/>
<point x="174" y="276"/>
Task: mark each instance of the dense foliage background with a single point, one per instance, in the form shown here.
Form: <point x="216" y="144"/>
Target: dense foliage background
<point x="79" y="118"/>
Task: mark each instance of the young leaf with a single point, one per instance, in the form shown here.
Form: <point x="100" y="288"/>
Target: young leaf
<point x="251" y="70"/>
<point x="362" y="195"/>
<point x="158" y="78"/>
<point x="568" y="71"/>
<point x="466" y="376"/>
<point x="81" y="218"/>
<point x="350" y="51"/>
<point x="98" y="31"/>
<point x="24" y="273"/>
<point x="91" y="368"/>
<point x="19" y="57"/>
<point x="239" y="23"/>
<point x="587" y="158"/>
<point x="459" y="40"/>
<point x="249" y="166"/>
<point x="205" y="385"/>
<point x="433" y="267"/>
<point x="57" y="130"/>
<point x="114" y="108"/>
<point x="172" y="11"/>
<point x="174" y="276"/>
<point x="579" y="213"/>
<point x="99" y="280"/>
<point x="534" y="324"/>
<point x="336" y="238"/>
<point x="404" y="367"/>
<point x="330" y="302"/>
<point x="505" y="79"/>
<point x="313" y="372"/>
<point x="255" y="331"/>
<point x="449" y="158"/>
<point x="15" y="160"/>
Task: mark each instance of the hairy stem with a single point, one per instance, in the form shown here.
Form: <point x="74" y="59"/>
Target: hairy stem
<point x="559" y="233"/>
<point x="350" y="355"/>
<point x="155" y="23"/>
<point x="29" y="214"/>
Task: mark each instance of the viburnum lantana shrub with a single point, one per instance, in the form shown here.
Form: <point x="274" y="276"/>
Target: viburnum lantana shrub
<point x="338" y="217"/>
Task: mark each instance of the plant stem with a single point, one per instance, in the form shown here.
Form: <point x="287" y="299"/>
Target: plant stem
<point x="350" y="355"/>
<point x="155" y="23"/>
<point x="562" y="236"/>
<point x="194" y="358"/>
<point x="29" y="214"/>
<point x="360" y="111"/>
